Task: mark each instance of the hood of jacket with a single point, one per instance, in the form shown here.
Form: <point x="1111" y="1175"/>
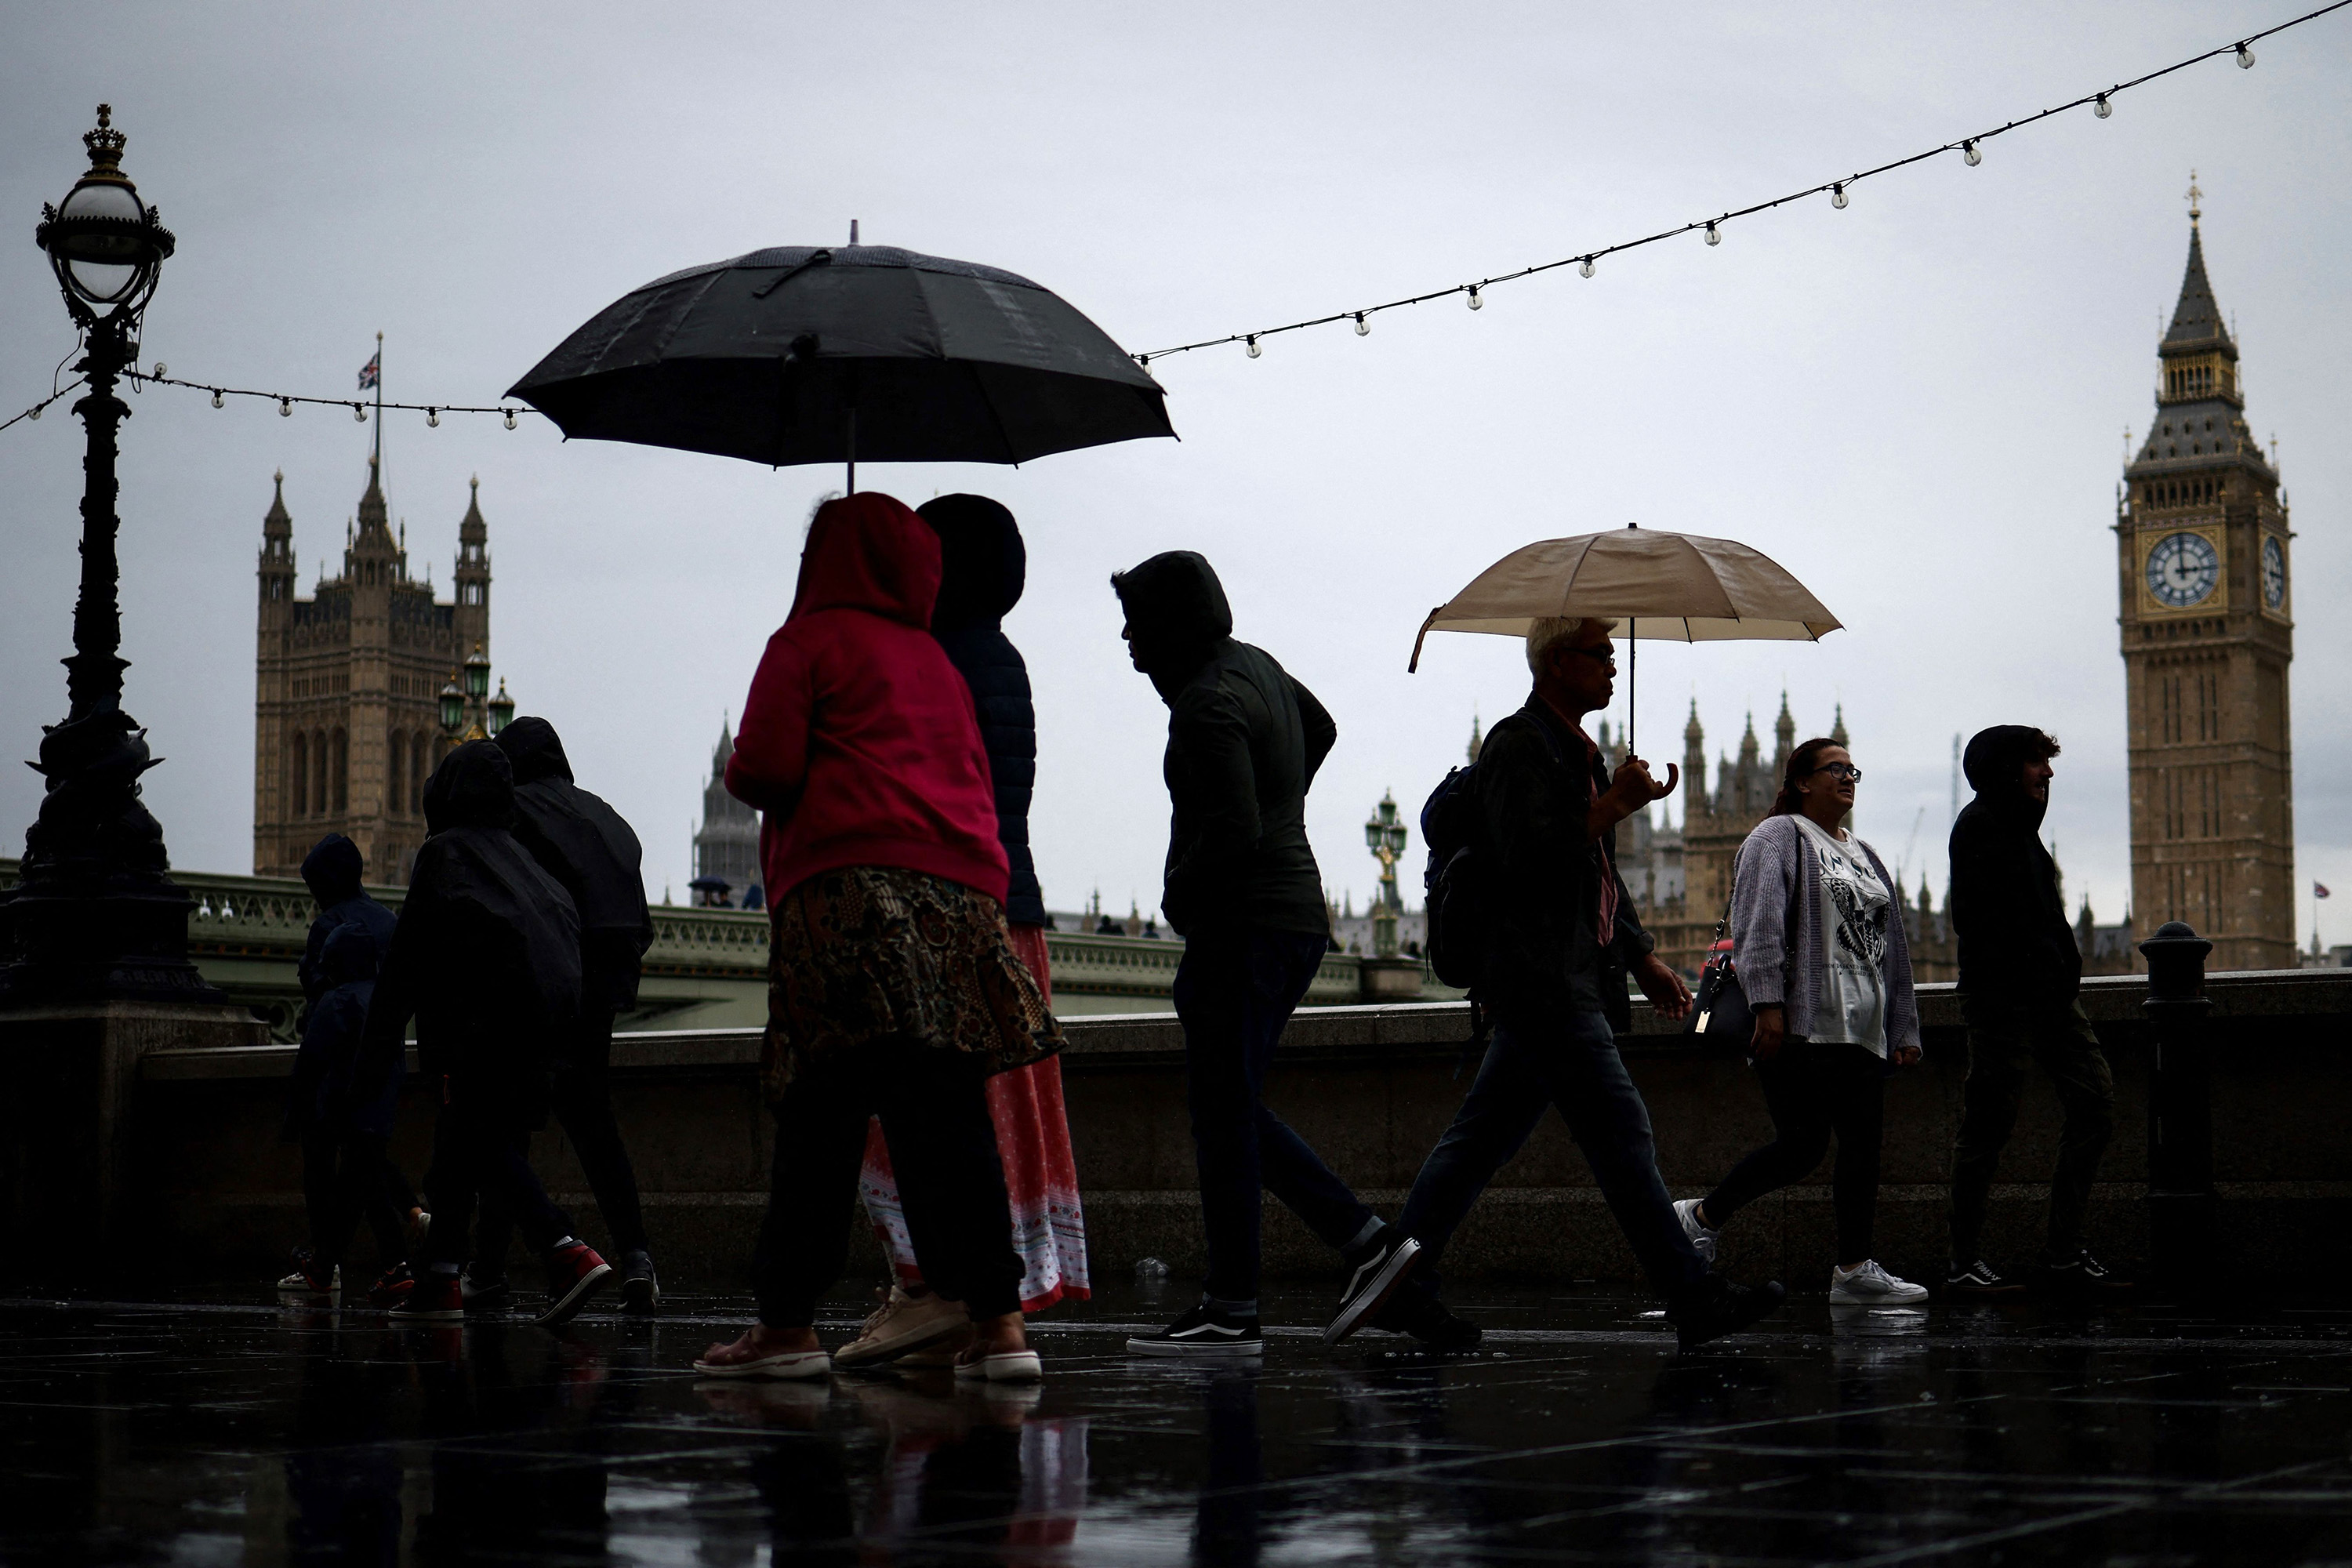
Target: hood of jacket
<point x="1177" y="615"/>
<point x="348" y="954"/>
<point x="982" y="563"/>
<point x="870" y="552"/>
<point x="332" y="870"/>
<point x="533" y="750"/>
<point x="1995" y="762"/>
<point x="473" y="787"/>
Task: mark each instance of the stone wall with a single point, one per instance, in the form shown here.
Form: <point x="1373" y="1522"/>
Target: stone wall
<point x="1372" y="1087"/>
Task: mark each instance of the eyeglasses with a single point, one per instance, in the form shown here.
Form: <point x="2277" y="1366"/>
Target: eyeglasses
<point x="1839" y="770"/>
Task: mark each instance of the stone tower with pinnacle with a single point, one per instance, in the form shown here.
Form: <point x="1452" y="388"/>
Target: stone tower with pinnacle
<point x="2203" y="555"/>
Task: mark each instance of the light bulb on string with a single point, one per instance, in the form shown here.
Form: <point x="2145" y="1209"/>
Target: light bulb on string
<point x="286" y="408"/>
<point x="1837" y="195"/>
<point x="432" y="418"/>
<point x="1586" y="267"/>
<point x="511" y="419"/>
<point x="2245" y="59"/>
<point x="1251" y="343"/>
<point x="161" y="370"/>
<point x="1714" y="235"/>
<point x="2101" y="107"/>
<point x="1968" y="150"/>
<point x="358" y="412"/>
<point x="33" y="412"/>
<point x="218" y="401"/>
<point x="1475" y="303"/>
<point x="1363" y="328"/>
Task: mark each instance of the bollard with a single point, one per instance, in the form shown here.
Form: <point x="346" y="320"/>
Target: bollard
<point x="2183" y="1212"/>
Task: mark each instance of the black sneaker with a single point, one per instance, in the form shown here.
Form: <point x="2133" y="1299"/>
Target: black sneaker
<point x="1426" y="1319"/>
<point x="1204" y="1333"/>
<point x="1723" y="1308"/>
<point x="1980" y="1281"/>
<point x="2084" y="1275"/>
<point x="640" y="1291"/>
<point x="1377" y="1276"/>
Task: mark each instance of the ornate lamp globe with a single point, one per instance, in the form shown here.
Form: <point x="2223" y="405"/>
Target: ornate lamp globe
<point x="477" y="674"/>
<point x="103" y="241"/>
<point x="502" y="709"/>
<point x="453" y="707"/>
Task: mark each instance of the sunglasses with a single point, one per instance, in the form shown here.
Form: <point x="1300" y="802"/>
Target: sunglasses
<point x="1604" y="654"/>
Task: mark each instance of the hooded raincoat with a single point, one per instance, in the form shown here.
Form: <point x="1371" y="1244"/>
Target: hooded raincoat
<point x="2015" y="944"/>
<point x="982" y="567"/>
<point x="350" y="929"/>
<point x="1245" y="740"/>
<point x="841" y="746"/>
<point x="584" y="844"/>
<point x="486" y="956"/>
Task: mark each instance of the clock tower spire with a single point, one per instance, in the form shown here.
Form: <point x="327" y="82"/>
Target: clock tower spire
<point x="2202" y="549"/>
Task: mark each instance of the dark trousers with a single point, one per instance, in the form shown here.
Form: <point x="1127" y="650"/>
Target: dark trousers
<point x="1234" y="991"/>
<point x="2002" y="1040"/>
<point x="582" y="1103"/>
<point x="481" y="1152"/>
<point x="933" y="1105"/>
<point x="1530" y="1067"/>
<point x="347" y="1178"/>
<point x="1814" y="1091"/>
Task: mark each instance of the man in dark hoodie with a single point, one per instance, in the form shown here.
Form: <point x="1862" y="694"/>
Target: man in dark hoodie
<point x="346" y="1175"/>
<point x="1242" y="889"/>
<point x="485" y="958"/>
<point x="2020" y="975"/>
<point x="584" y="844"/>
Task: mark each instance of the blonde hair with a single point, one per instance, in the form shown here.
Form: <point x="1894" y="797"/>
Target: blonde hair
<point x="1546" y="633"/>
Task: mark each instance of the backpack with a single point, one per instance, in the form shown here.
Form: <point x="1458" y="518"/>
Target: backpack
<point x="1455" y="884"/>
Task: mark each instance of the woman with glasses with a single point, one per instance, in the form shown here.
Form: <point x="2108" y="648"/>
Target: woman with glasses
<point x="1818" y="945"/>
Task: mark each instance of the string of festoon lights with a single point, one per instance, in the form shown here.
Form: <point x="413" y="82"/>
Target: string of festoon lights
<point x="1970" y="149"/>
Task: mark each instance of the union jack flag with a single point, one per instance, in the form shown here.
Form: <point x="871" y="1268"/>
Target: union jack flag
<point x="2319" y="891"/>
<point x="370" y="371"/>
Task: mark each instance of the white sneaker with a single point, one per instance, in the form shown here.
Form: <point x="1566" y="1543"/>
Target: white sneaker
<point x="900" y="1324"/>
<point x="1867" y="1283"/>
<point x="1702" y="1239"/>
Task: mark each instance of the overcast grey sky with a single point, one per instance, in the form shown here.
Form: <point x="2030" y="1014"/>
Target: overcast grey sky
<point x="1918" y="403"/>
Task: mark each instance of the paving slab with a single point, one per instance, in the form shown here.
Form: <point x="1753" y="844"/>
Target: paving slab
<point x="227" y="1429"/>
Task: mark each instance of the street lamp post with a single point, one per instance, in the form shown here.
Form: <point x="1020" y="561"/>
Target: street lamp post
<point x="468" y="712"/>
<point x="1384" y="835"/>
<point x="95" y="917"/>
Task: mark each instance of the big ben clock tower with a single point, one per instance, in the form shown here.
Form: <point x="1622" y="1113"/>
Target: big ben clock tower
<point x="2202" y="548"/>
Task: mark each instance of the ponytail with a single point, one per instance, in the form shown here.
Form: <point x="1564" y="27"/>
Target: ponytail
<point x="1802" y="762"/>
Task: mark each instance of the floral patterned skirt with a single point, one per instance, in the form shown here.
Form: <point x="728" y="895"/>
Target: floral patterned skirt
<point x="873" y="953"/>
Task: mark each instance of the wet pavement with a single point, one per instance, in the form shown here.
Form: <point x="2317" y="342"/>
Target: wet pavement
<point x="219" y="1430"/>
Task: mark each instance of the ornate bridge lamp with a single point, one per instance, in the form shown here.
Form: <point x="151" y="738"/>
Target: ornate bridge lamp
<point x="468" y="712"/>
<point x="1384" y="835"/>
<point x="95" y="917"/>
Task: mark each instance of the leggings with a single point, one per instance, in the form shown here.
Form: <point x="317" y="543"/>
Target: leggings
<point x="1814" y="1092"/>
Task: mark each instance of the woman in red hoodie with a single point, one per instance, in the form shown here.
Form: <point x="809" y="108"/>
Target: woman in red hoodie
<point x="893" y="988"/>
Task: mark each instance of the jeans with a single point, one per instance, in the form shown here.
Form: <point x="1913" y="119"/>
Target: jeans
<point x="2002" y="1038"/>
<point x="584" y="1104"/>
<point x="481" y="1152"/>
<point x="348" y="1178"/>
<point x="1235" y="989"/>
<point x="1814" y="1092"/>
<point x="1530" y="1067"/>
<point x="933" y="1105"/>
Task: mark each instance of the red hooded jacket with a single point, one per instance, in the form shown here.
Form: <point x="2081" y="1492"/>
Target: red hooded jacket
<point x="858" y="742"/>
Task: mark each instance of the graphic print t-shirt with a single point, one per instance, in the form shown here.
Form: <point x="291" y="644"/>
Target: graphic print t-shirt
<point x="1855" y="906"/>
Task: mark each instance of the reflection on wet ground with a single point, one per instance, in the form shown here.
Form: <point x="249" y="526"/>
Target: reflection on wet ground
<point x="221" y="1431"/>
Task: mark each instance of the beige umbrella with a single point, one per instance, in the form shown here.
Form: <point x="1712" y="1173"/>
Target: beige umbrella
<point x="1674" y="586"/>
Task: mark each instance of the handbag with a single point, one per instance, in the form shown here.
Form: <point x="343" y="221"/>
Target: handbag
<point x="1719" y="1012"/>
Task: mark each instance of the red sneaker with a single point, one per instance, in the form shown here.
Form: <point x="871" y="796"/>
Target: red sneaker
<point x="393" y="1287"/>
<point x="436" y="1298"/>
<point x="574" y="1273"/>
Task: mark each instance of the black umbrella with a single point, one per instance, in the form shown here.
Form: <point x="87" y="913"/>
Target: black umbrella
<point x="801" y="355"/>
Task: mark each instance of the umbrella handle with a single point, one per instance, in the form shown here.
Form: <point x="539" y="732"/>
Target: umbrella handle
<point x="1421" y="636"/>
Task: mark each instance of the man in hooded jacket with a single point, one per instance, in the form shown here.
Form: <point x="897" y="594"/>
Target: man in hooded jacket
<point x="2021" y="976"/>
<point x="584" y="844"/>
<point x="485" y="958"/>
<point x="1242" y="887"/>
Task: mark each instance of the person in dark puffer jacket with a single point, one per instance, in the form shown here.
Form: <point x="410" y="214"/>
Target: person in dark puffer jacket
<point x="983" y="568"/>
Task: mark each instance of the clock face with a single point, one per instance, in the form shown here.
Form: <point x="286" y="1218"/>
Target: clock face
<point x="2274" y="574"/>
<point x="2182" y="570"/>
